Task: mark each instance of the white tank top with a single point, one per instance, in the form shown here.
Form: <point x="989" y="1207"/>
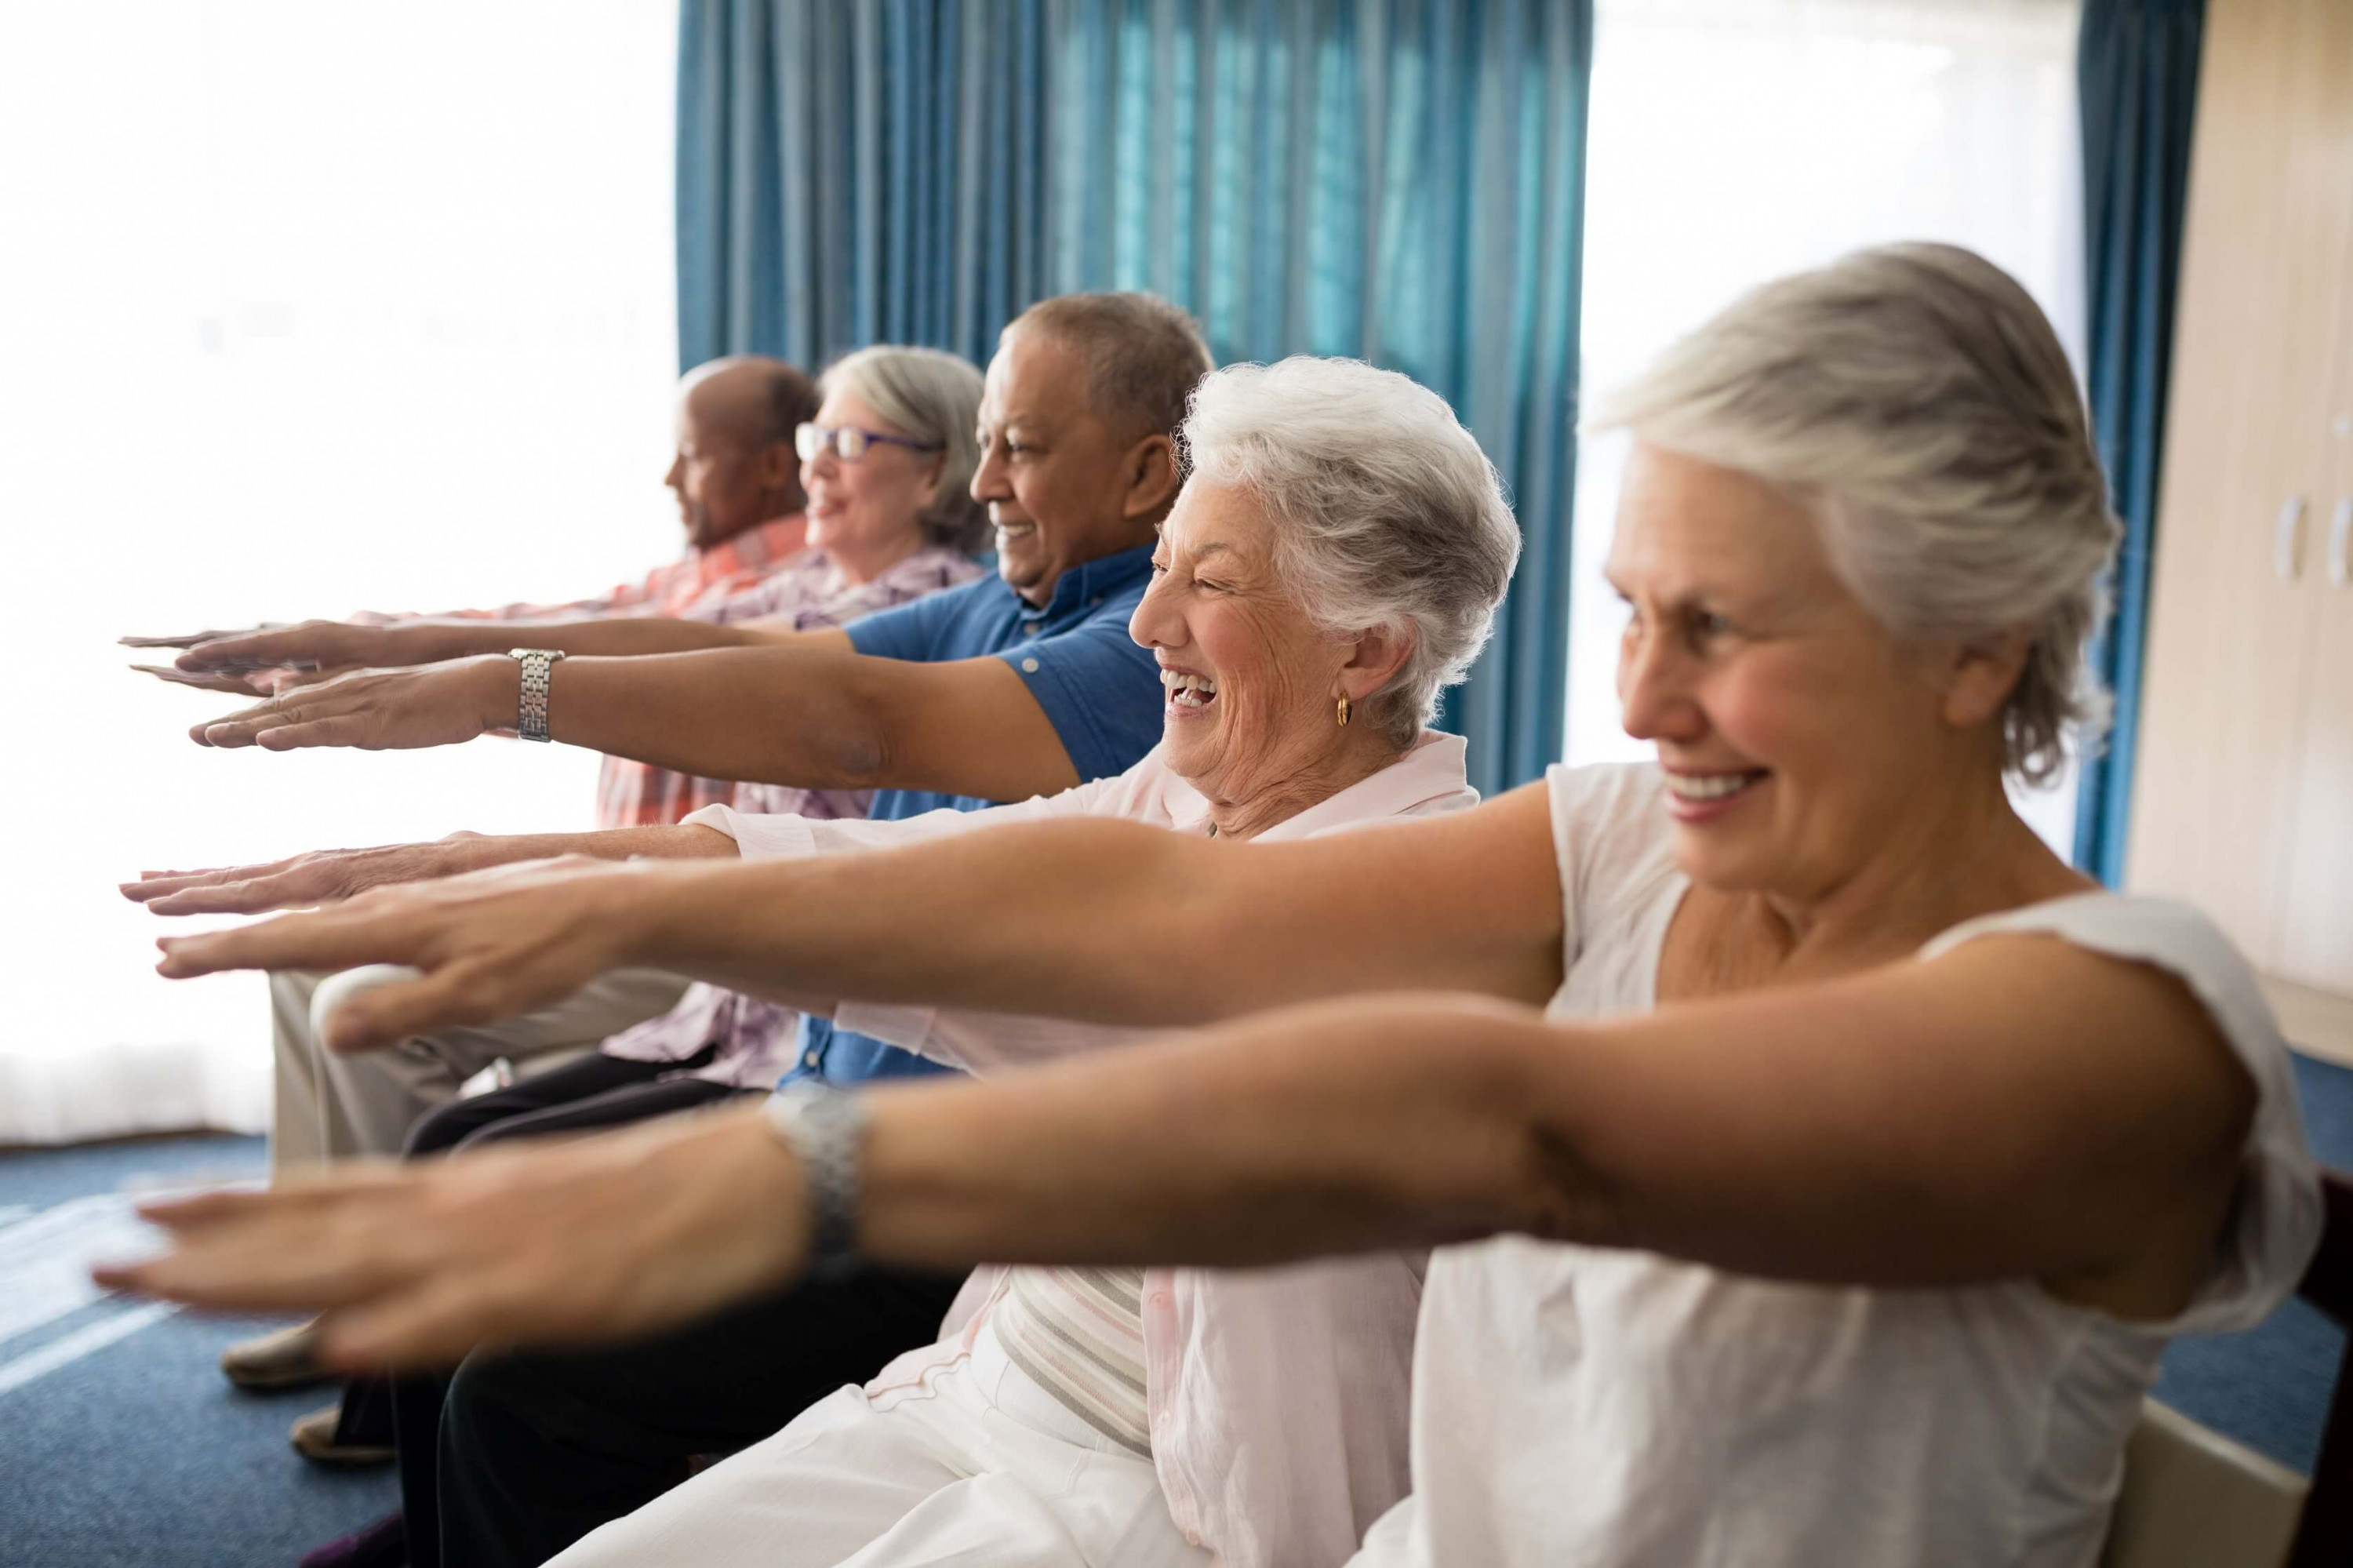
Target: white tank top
<point x="1580" y="1407"/>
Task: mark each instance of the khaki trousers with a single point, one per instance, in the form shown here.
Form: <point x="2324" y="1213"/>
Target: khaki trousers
<point x="332" y="1106"/>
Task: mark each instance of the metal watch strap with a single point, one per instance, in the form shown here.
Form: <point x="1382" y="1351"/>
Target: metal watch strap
<point x="827" y="1128"/>
<point x="531" y="715"/>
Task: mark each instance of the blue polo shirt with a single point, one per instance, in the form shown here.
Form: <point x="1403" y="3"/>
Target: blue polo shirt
<point x="1098" y="688"/>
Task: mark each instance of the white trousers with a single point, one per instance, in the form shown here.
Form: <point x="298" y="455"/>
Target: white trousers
<point x="962" y="1459"/>
<point x="335" y="1107"/>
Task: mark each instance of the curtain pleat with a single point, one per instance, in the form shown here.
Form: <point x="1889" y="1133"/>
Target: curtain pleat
<point x="2137" y="71"/>
<point x="1396" y="180"/>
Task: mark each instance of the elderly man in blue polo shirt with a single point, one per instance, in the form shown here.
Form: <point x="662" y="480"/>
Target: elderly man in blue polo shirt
<point x="1019" y="685"/>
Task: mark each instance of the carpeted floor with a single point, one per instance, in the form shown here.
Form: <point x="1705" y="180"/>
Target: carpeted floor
<point x="121" y="1446"/>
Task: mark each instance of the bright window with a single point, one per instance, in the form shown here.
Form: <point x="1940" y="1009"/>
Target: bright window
<point x="1736" y="140"/>
<point x="312" y="309"/>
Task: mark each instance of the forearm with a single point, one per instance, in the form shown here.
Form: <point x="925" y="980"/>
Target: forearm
<point x="433" y="639"/>
<point x="1110" y="922"/>
<point x="788" y="716"/>
<point x="1294" y="1136"/>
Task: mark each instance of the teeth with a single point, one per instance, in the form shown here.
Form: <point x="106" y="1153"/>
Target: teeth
<point x="1015" y="530"/>
<point x="1709" y="786"/>
<point x="1192" y="691"/>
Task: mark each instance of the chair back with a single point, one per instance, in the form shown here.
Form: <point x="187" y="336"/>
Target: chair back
<point x="2325" y="1538"/>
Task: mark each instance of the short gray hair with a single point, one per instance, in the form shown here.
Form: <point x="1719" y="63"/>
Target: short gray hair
<point x="1916" y="399"/>
<point x="1387" y="514"/>
<point x="1143" y="354"/>
<point x="933" y="397"/>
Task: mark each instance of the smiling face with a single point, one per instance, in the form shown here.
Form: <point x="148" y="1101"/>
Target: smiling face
<point x="872" y="509"/>
<point x="1061" y="484"/>
<point x="1248" y="681"/>
<point x="1797" y="732"/>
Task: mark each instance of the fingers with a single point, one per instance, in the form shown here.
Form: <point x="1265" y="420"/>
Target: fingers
<point x="235" y="686"/>
<point x="185" y="639"/>
<point x="153" y="887"/>
<point x="435" y="1324"/>
<point x="240" y="727"/>
<point x="328" y="939"/>
<point x="461" y="992"/>
<point x="336" y="729"/>
<point x="254" y="895"/>
<point x="249" y="650"/>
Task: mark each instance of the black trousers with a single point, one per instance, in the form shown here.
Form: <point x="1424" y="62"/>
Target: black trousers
<point x="515" y="1457"/>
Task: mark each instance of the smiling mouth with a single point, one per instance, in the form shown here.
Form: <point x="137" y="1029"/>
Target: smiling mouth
<point x="1707" y="788"/>
<point x="1015" y="530"/>
<point x="1186" y="689"/>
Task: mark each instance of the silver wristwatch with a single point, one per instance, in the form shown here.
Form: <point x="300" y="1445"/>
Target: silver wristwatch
<point x="827" y="1128"/>
<point x="530" y="718"/>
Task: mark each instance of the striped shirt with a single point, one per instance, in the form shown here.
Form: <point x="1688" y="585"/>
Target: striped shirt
<point x="1079" y="1332"/>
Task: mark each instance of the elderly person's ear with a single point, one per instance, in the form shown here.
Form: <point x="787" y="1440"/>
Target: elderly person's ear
<point x="1152" y="476"/>
<point x="1982" y="676"/>
<point x="1379" y="653"/>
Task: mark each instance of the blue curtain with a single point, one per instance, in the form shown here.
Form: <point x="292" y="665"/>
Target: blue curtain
<point x="1398" y="180"/>
<point x="2136" y="71"/>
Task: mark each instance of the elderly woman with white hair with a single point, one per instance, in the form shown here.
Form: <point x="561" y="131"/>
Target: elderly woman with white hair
<point x="1333" y="563"/>
<point x="1836" y="1206"/>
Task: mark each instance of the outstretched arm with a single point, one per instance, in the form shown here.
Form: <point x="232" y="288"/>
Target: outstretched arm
<point x="2016" y="1109"/>
<point x="430" y="639"/>
<point x="1108" y="921"/>
<point x="810" y="713"/>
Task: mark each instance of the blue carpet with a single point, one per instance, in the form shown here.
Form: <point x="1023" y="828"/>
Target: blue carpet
<point x="121" y="1444"/>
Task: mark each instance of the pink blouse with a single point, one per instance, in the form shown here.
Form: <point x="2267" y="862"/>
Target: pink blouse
<point x="1277" y="1396"/>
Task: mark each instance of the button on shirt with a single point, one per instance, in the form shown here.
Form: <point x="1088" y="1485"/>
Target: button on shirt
<point x="1098" y="688"/>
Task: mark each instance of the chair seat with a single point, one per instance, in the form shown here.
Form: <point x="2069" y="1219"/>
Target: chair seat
<point x="2193" y="1499"/>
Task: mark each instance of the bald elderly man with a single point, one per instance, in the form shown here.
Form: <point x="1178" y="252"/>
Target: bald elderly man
<point x="737" y="479"/>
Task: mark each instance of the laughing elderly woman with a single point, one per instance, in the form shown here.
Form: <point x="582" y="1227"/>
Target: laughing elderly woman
<point x="1333" y="563"/>
<point x="1835" y="1208"/>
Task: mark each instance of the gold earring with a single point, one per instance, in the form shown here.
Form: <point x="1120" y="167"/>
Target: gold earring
<point x="1344" y="710"/>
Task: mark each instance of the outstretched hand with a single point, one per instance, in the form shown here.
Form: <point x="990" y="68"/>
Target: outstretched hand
<point x="304" y="881"/>
<point x="379" y="710"/>
<point x="597" y="1238"/>
<point x="302" y="644"/>
<point x="488" y="945"/>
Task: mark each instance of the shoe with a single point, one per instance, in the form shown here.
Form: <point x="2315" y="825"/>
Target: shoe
<point x="384" y="1544"/>
<point x="286" y="1358"/>
<point x="319" y="1438"/>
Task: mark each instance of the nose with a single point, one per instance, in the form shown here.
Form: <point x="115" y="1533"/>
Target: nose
<point x="988" y="480"/>
<point x="676" y="477"/>
<point x="1654" y="689"/>
<point x="1158" y="623"/>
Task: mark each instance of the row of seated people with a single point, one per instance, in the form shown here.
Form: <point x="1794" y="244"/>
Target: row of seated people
<point x="1768" y="1155"/>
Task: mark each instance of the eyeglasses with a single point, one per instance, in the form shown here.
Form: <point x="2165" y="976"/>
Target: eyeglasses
<point x="848" y="442"/>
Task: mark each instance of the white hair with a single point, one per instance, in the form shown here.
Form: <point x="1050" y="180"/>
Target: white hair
<point x="933" y="397"/>
<point x="1916" y="400"/>
<point x="1387" y="514"/>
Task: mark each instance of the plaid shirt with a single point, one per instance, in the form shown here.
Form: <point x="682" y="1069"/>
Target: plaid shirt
<point x="809" y="594"/>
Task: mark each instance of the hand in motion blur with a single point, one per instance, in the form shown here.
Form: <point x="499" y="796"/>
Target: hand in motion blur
<point x="306" y="644"/>
<point x="594" y="1238"/>
<point x="491" y="944"/>
<point x="379" y="710"/>
<point x="304" y="881"/>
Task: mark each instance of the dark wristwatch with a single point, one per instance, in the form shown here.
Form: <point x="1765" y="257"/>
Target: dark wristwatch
<point x="827" y="1128"/>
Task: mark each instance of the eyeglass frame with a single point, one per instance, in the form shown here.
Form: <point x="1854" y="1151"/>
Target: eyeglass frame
<point x="809" y="438"/>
